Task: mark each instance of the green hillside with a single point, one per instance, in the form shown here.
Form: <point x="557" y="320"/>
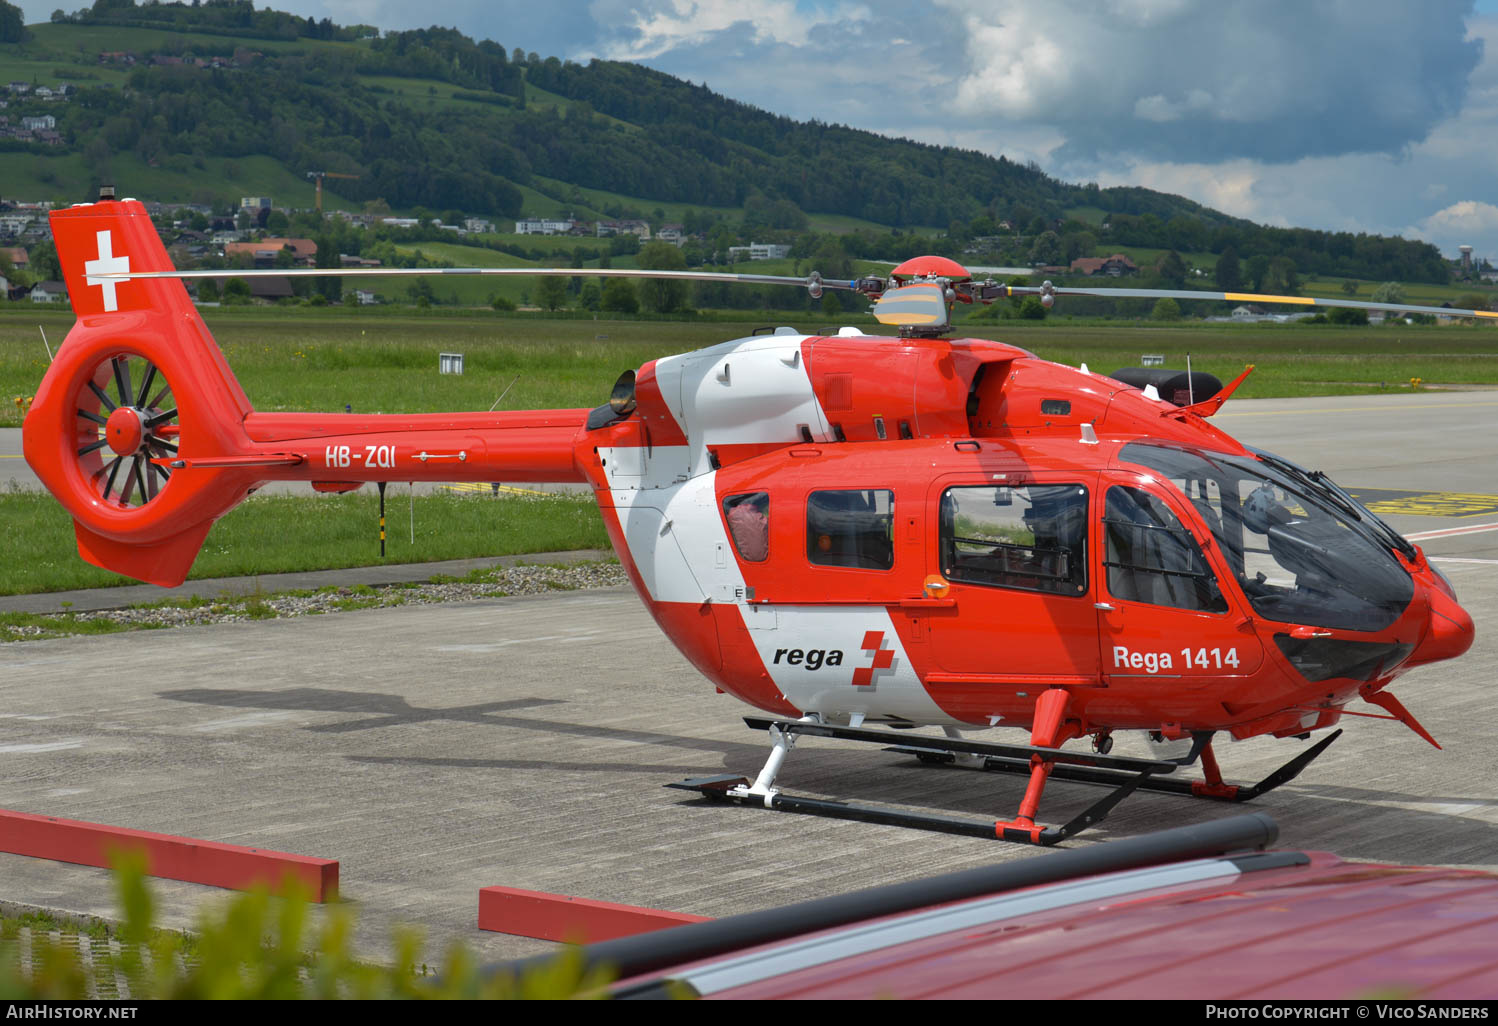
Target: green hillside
<point x="434" y="119"/>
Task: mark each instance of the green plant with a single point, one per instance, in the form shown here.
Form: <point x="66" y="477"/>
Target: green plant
<point x="255" y="948"/>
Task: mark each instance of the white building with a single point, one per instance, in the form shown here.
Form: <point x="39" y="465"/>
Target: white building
<point x="37" y="123"/>
<point x="478" y="225"/>
<point x="544" y="226"/>
<point x="49" y="292"/>
<point x="631" y="227"/>
<point x="758" y="251"/>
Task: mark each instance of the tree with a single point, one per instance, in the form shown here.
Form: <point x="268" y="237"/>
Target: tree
<point x="1255" y="271"/>
<point x="1166" y="310"/>
<point x="551" y="293"/>
<point x="831" y="259"/>
<point x="619" y="296"/>
<point x="1346" y="315"/>
<point x="1172" y="270"/>
<point x="1032" y="309"/>
<point x="421" y="292"/>
<point x="1280" y="276"/>
<point x="1046" y="249"/>
<point x="1349" y="287"/>
<point x="1389" y="292"/>
<point x="12" y="24"/>
<point x="658" y="295"/>
<point x="1471" y="301"/>
<point x="1228" y="274"/>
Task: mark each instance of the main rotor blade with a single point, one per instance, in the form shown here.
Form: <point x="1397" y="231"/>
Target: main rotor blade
<point x="811" y="281"/>
<point x="1242" y="297"/>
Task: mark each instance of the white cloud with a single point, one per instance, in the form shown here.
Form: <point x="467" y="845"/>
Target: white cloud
<point x="1468" y="223"/>
<point x="666" y="25"/>
<point x="1199" y="80"/>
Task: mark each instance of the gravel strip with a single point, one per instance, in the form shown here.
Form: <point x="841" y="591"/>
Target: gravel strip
<point x="494" y="583"/>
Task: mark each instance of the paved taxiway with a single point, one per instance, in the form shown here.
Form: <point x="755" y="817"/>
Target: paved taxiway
<point x="436" y="750"/>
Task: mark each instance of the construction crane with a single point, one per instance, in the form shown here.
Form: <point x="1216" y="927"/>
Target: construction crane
<point x="318" y="176"/>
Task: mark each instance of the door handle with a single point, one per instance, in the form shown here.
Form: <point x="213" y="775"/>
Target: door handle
<point x="1106" y="607"/>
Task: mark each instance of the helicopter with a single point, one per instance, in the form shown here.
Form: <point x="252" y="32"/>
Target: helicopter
<point x="854" y="534"/>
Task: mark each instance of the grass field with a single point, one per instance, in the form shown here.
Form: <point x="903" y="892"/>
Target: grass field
<point x="385" y="360"/>
<point x="287" y="533"/>
<point x="65" y="179"/>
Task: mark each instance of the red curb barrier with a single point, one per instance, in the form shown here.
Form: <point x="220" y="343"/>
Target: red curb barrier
<point x="559" y="917"/>
<point x="169" y="857"/>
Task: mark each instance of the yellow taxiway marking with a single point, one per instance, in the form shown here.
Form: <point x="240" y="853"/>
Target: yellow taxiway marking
<point x="479" y="486"/>
<point x="1384" y="501"/>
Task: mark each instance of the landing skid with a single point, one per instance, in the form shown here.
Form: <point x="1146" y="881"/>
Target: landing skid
<point x="734" y="789"/>
<point x="1124" y="774"/>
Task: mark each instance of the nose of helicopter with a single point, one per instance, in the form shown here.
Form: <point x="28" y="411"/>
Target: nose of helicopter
<point x="1450" y="633"/>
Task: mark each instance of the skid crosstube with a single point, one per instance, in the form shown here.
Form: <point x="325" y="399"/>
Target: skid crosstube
<point x="719" y="788"/>
<point x="1097" y="775"/>
<point x="943" y="745"/>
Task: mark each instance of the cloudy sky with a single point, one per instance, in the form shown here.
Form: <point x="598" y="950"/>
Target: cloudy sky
<point x="1359" y="115"/>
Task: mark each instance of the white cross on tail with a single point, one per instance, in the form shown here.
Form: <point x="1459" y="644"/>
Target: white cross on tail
<point x="107" y="263"/>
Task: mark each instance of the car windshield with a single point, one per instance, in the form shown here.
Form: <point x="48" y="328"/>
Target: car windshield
<point x="1302" y="550"/>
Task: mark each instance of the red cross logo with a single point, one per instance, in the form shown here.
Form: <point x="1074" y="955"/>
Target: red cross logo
<point x="884" y="658"/>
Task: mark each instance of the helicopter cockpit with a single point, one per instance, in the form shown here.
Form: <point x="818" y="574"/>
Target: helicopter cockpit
<point x="1302" y="549"/>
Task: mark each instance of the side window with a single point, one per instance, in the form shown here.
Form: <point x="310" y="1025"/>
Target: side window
<point x="748" y="518"/>
<point x="1152" y="558"/>
<point x="1034" y="538"/>
<point x="851" y="528"/>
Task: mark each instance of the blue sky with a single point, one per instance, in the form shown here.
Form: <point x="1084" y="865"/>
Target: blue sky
<point x="1375" y="115"/>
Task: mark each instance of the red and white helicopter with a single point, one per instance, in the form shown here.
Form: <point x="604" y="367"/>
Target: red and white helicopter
<point x="856" y="534"/>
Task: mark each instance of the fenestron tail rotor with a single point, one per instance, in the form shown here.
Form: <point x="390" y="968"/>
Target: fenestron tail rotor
<point x="127" y="421"/>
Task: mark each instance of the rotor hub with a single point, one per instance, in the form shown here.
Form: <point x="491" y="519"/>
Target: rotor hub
<point x="126" y="430"/>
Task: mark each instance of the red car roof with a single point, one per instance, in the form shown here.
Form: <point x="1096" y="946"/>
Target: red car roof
<point x="1329" y="929"/>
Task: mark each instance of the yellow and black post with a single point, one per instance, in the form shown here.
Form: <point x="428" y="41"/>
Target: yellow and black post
<point x="381" y="486"/>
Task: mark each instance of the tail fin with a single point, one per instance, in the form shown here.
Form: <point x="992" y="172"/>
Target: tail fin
<point x="138" y="379"/>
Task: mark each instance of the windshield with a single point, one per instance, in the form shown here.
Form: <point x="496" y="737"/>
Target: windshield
<point x="1303" y="551"/>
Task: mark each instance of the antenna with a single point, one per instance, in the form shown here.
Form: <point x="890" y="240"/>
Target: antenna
<point x="45" y="342"/>
<point x="504" y="393"/>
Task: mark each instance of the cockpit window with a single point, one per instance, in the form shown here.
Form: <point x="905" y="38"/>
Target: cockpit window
<point x="1301" y="549"/>
<point x="1033" y="538"/>
<point x="1152" y="558"/>
<point x="852" y="528"/>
